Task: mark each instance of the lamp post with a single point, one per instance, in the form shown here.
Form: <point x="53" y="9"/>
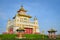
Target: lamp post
<point x="43" y="34"/>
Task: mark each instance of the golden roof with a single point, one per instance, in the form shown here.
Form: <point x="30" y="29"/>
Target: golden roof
<point x="24" y="15"/>
<point x="22" y="9"/>
<point x="52" y="30"/>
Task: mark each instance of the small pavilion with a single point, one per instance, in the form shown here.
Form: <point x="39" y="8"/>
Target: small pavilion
<point x="52" y="34"/>
<point x="20" y="33"/>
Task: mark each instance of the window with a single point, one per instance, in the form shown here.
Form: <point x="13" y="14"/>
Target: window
<point x="25" y="18"/>
<point x="17" y="20"/>
<point x="21" y="19"/>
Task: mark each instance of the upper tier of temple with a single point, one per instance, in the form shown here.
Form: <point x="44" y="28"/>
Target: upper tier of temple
<point x="22" y="9"/>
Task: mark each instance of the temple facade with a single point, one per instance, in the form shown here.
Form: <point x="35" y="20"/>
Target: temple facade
<point x="22" y="20"/>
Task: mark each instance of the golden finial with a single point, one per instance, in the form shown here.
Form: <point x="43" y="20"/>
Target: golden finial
<point x="35" y="18"/>
<point x="9" y="19"/>
<point x="22" y="9"/>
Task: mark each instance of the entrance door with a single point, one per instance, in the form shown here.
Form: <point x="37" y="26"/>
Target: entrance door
<point x="28" y="30"/>
<point x="11" y="30"/>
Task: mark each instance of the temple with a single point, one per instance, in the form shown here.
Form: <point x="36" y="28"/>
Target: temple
<point x="22" y="20"/>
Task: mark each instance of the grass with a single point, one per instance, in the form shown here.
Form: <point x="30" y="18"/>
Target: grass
<point x="28" y="37"/>
<point x="34" y="36"/>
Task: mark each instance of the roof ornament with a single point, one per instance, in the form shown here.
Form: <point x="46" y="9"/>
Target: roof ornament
<point x="22" y="9"/>
<point x="35" y="18"/>
<point x="9" y="19"/>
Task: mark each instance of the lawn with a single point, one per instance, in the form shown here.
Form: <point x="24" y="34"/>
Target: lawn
<point x="28" y="37"/>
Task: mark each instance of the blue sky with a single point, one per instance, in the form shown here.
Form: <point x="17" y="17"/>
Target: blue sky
<point x="47" y="12"/>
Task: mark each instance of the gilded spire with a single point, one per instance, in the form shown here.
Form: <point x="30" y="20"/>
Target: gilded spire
<point x="22" y="9"/>
<point x="9" y="19"/>
<point x="35" y="18"/>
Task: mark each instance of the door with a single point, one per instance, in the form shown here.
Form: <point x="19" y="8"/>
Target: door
<point x="28" y="30"/>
